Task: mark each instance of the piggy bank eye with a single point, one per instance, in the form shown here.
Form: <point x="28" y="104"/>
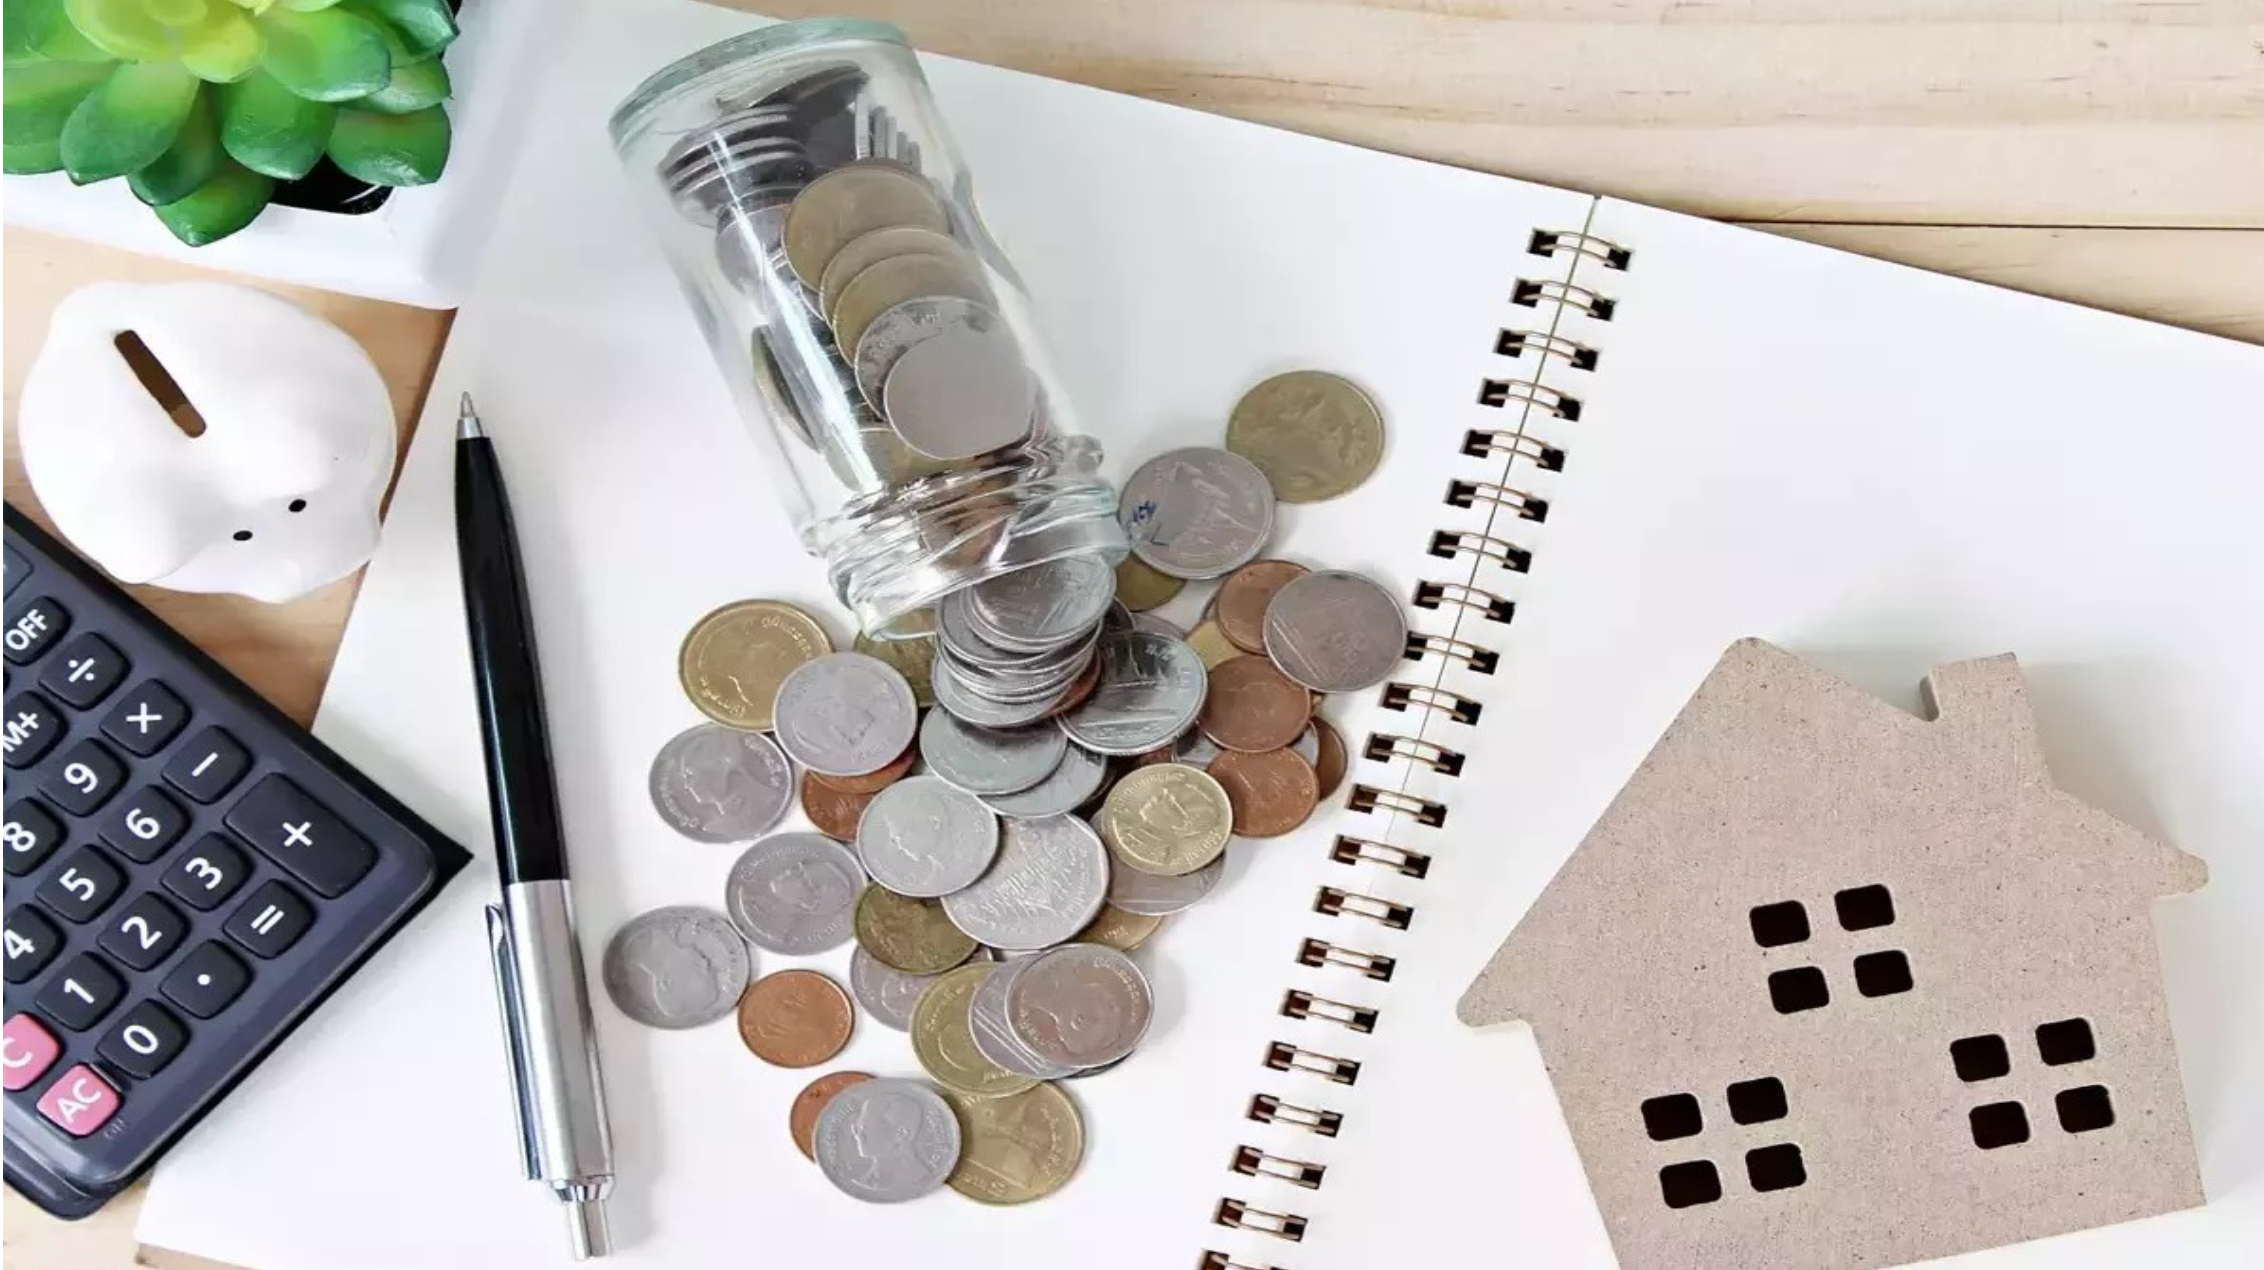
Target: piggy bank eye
<point x="298" y="504"/>
<point x="242" y="535"/>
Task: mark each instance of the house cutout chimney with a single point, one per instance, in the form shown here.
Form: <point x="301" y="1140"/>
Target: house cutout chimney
<point x="1824" y="965"/>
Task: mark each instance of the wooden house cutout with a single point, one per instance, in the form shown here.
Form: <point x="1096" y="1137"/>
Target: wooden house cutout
<point x="1830" y="984"/>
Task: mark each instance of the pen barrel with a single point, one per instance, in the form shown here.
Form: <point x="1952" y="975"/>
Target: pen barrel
<point x="554" y="1043"/>
<point x="506" y="674"/>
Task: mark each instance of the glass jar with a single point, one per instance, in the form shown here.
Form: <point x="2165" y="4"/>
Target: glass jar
<point x="872" y="333"/>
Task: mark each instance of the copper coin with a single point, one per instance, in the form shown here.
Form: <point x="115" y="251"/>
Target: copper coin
<point x="835" y="812"/>
<point x="871" y="782"/>
<point x="1240" y="608"/>
<point x="795" y="1018"/>
<point x="1252" y="706"/>
<point x="1331" y="766"/>
<point x="802" y="1116"/>
<point x="1271" y="793"/>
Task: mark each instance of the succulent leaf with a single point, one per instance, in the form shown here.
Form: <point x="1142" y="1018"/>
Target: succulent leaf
<point x="123" y="28"/>
<point x="193" y="158"/>
<point x="425" y="26"/>
<point x="414" y="86"/>
<point x="129" y="119"/>
<point x="224" y="47"/>
<point x="409" y="149"/>
<point x="31" y="158"/>
<point x="327" y="55"/>
<point x="272" y="130"/>
<point x="177" y="12"/>
<point x="39" y="97"/>
<point x="306" y="6"/>
<point x="232" y="199"/>
<point x="40" y="31"/>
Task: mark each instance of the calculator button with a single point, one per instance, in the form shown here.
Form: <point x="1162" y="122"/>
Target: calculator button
<point x="302" y="835"/>
<point x="78" y="995"/>
<point x="84" y="779"/>
<point x="13" y="570"/>
<point x="146" y="718"/>
<point x="32" y="941"/>
<point x="207" y="767"/>
<point x="83" y="887"/>
<point x="88" y="671"/>
<point x="206" y="981"/>
<point x="30" y="730"/>
<point x="270" y="921"/>
<point x="28" y="836"/>
<point x="27" y="1050"/>
<point x="80" y="1103"/>
<point x="32" y="628"/>
<point x="208" y="874"/>
<point x="141" y="827"/>
<point x="144" y="1041"/>
<point x="145" y="932"/>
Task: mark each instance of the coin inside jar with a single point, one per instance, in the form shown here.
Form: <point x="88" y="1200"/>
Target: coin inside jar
<point x="1252" y="706"/>
<point x="961" y="392"/>
<point x="1272" y="792"/>
<point x="895" y="280"/>
<point x="1169" y="819"/>
<point x="849" y="202"/>
<point x="1019" y="1148"/>
<point x="1240" y="608"/>
<point x="900" y="327"/>
<point x="734" y="659"/>
<point x="866" y="250"/>
<point x="802" y="1115"/>
<point x="795" y="1018"/>
<point x="1314" y="434"/>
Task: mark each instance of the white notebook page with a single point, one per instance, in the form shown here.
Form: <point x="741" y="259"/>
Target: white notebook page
<point x="1177" y="258"/>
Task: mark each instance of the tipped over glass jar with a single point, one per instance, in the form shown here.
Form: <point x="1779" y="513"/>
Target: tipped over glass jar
<point x="811" y="201"/>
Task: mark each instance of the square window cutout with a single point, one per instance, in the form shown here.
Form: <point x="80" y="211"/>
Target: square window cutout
<point x="1980" y="1057"/>
<point x="1757" y="1101"/>
<point x="1672" y="1116"/>
<point x="1882" y="974"/>
<point x="2067" y="1041"/>
<point x="1775" y="1168"/>
<point x="1865" y="907"/>
<point x="1797" y="989"/>
<point x="1690" y="1182"/>
<point x="2085" y="1108"/>
<point x="1775" y="925"/>
<point x="1999" y="1124"/>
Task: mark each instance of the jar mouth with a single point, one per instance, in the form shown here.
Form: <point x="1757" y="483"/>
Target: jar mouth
<point x="731" y="56"/>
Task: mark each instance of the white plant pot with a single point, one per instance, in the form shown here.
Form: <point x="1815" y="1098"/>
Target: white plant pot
<point x="419" y="248"/>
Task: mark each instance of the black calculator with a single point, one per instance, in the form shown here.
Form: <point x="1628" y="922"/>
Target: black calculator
<point x="189" y="874"/>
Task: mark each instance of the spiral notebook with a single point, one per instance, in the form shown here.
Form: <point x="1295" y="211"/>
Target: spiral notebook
<point x="1619" y="439"/>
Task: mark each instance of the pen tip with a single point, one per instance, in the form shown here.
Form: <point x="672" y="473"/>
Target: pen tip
<point x="467" y="419"/>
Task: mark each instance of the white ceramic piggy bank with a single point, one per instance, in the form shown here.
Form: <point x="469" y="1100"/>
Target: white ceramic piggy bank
<point x="278" y="496"/>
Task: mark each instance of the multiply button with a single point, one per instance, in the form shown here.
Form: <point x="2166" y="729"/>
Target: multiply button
<point x="302" y="835"/>
<point x="146" y="718"/>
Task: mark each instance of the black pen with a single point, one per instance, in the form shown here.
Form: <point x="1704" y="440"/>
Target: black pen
<point x="558" y="1093"/>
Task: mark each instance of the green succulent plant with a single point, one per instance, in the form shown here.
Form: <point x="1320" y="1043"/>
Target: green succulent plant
<point x="203" y="105"/>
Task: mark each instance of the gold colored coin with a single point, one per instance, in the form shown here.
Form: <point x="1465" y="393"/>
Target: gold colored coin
<point x="943" y="1037"/>
<point x="1118" y="929"/>
<point x="891" y="282"/>
<point x="734" y="659"/>
<point x="852" y="201"/>
<point x="1211" y="644"/>
<point x="914" y="936"/>
<point x="1166" y="819"/>
<point x="1018" y="1148"/>
<point x="1142" y="586"/>
<point x="1314" y="435"/>
<point x="866" y="250"/>
<point x="913" y="658"/>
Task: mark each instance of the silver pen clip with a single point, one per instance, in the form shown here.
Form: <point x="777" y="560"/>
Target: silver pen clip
<point x="508" y="1004"/>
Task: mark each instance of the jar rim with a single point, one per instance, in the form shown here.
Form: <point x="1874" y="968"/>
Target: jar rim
<point x="779" y="37"/>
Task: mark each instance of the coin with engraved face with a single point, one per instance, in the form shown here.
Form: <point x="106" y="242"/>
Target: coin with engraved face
<point x="888" y="994"/>
<point x="795" y="893"/>
<point x="1315" y="435"/>
<point x="924" y="836"/>
<point x="987" y="761"/>
<point x="1335" y="631"/>
<point x="1197" y="513"/>
<point x="846" y="714"/>
<point x="1083" y="1005"/>
<point x="887" y="1141"/>
<point x="736" y="657"/>
<point x="718" y="784"/>
<point x="676" y="967"/>
<point x="802" y="1114"/>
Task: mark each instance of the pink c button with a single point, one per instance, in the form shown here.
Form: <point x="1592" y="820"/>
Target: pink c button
<point x="27" y="1050"/>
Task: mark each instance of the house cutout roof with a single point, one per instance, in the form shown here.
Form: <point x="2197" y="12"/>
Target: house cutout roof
<point x="1830" y="983"/>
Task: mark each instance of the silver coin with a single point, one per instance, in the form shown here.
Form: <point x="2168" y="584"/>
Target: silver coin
<point x="795" y="893"/>
<point x="888" y="994"/>
<point x="1072" y="782"/>
<point x="676" y="967"/>
<point x="717" y="784"/>
<point x="1150" y="690"/>
<point x="1197" y="750"/>
<point x="1335" y="631"/>
<point x="1046" y="605"/>
<point x="963" y="702"/>
<point x="987" y="761"/>
<point x="1147" y="895"/>
<point x="1198" y="512"/>
<point x="887" y="1141"/>
<point x="1154" y="625"/>
<point x="1046" y="885"/>
<point x="926" y="837"/>
<point x="960" y="393"/>
<point x="1085" y="1005"/>
<point x="886" y="339"/>
<point x="846" y="714"/>
<point x="994" y="1036"/>
<point x="1307" y="746"/>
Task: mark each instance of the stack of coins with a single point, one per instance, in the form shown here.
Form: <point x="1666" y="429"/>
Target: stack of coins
<point x="1002" y="815"/>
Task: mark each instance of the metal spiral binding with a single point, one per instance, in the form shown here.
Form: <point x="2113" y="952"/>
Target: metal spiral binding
<point x="1350" y="965"/>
